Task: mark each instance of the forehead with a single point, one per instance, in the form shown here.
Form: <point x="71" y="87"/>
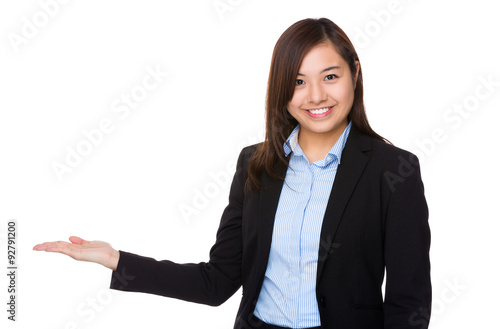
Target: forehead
<point x="320" y="57"/>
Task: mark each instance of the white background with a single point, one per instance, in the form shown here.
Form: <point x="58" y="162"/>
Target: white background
<point x="420" y="59"/>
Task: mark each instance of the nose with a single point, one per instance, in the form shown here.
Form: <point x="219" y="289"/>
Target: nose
<point x="316" y="93"/>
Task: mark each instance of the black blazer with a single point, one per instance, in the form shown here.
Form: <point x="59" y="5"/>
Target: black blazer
<point x="376" y="219"/>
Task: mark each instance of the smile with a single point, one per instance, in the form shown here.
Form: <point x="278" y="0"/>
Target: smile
<point x="320" y="113"/>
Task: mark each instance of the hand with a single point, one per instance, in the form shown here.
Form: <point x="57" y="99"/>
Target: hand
<point x="99" y="252"/>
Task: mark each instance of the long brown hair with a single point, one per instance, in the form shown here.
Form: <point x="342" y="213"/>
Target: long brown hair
<point x="287" y="56"/>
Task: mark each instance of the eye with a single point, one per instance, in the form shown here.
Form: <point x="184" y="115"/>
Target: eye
<point x="299" y="82"/>
<point x="331" y="77"/>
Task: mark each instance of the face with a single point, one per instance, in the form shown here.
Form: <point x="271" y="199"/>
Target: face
<point x="324" y="93"/>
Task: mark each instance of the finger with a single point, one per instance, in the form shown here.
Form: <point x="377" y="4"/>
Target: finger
<point x="39" y="247"/>
<point x="55" y="246"/>
<point x="65" y="248"/>
<point x="43" y="246"/>
<point x="73" y="239"/>
<point x="77" y="240"/>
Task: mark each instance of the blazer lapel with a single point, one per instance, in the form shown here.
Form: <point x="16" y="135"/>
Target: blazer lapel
<point x="352" y="164"/>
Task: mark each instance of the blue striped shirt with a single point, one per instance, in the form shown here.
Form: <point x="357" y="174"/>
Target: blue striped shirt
<point x="288" y="294"/>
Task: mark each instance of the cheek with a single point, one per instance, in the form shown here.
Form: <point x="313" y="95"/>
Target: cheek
<point x="295" y="103"/>
<point x="346" y="94"/>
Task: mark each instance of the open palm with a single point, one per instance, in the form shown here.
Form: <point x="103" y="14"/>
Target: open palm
<point x="90" y="251"/>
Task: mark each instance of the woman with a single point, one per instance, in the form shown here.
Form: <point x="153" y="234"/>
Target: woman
<point x="316" y="213"/>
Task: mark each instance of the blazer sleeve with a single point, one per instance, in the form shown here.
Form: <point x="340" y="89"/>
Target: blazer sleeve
<point x="211" y="282"/>
<point x="408" y="293"/>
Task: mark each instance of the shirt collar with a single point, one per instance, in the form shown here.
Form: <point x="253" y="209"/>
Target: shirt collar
<point x="292" y="143"/>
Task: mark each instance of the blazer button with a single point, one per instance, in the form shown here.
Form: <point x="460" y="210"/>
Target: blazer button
<point x="323" y="301"/>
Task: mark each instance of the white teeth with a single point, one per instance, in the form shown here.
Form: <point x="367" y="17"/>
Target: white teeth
<point x="319" y="111"/>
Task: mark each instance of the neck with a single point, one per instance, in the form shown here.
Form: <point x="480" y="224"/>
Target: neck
<point x="317" y="145"/>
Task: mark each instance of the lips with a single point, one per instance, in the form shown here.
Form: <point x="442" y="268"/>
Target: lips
<point x="320" y="112"/>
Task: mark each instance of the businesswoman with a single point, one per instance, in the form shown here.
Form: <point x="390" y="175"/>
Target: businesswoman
<point x="317" y="212"/>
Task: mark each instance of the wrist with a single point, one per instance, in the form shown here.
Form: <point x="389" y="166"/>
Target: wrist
<point x="113" y="260"/>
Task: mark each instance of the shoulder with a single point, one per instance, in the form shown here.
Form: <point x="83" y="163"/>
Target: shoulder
<point x="395" y="165"/>
<point x="380" y="153"/>
<point x="247" y="153"/>
<point x="387" y="162"/>
<point x="250" y="149"/>
<point x="388" y="153"/>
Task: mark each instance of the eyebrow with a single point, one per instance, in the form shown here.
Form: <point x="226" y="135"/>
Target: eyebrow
<point x="323" y="71"/>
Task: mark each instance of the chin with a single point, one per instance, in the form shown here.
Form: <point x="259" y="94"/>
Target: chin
<point x="321" y="128"/>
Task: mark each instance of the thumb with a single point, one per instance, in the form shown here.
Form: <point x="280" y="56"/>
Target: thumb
<point x="77" y="240"/>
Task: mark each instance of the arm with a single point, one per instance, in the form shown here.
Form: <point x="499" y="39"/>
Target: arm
<point x="408" y="292"/>
<point x="209" y="283"/>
